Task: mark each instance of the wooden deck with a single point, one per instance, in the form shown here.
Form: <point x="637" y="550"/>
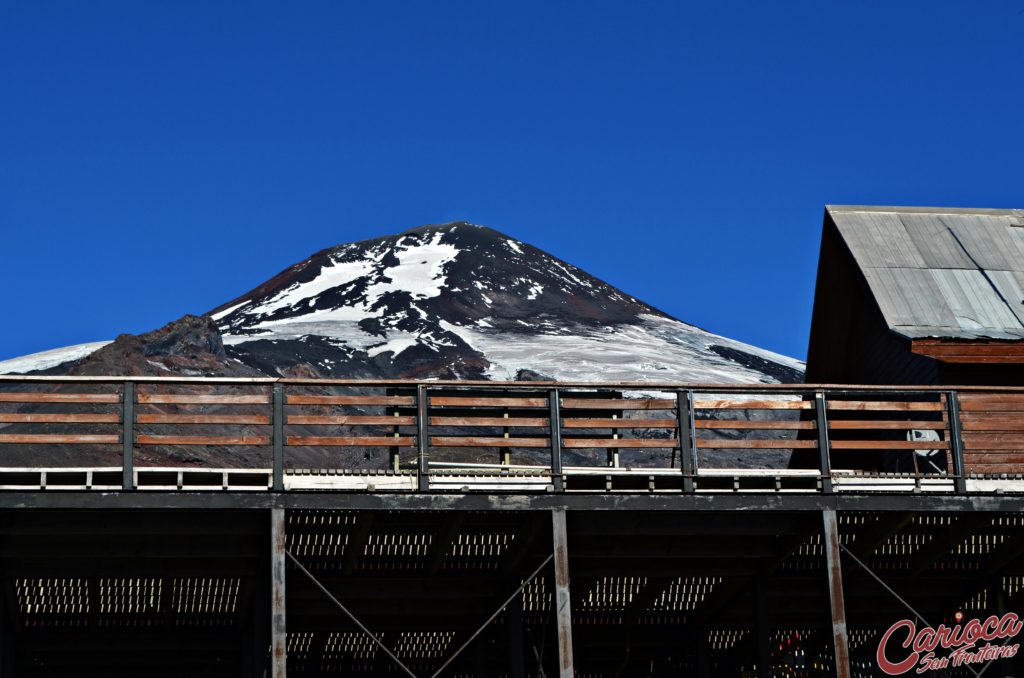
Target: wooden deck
<point x="137" y="517"/>
<point x="404" y="436"/>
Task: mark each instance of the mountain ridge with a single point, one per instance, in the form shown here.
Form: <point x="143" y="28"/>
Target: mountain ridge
<point x="448" y="301"/>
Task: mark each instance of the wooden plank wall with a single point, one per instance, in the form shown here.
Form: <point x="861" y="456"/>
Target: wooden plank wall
<point x="993" y="432"/>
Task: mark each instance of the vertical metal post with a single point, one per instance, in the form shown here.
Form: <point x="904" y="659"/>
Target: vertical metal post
<point x="563" y="602"/>
<point x="824" y="460"/>
<point x="516" y="650"/>
<point x="278" y="419"/>
<point x="956" y="443"/>
<point x="278" y="637"/>
<point x="762" y="633"/>
<point x="687" y="438"/>
<point x="128" y="436"/>
<point x="840" y="642"/>
<point x="555" y="426"/>
<point x="423" y="444"/>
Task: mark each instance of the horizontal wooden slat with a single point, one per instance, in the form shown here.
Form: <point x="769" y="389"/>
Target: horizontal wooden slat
<point x="57" y="438"/>
<point x="970" y="402"/>
<point x="60" y="398"/>
<point x="349" y="400"/>
<point x="1015" y="348"/>
<point x="354" y="420"/>
<point x="511" y="422"/>
<point x="617" y="404"/>
<point x="482" y="441"/>
<point x="890" y="444"/>
<point x="753" y="405"/>
<point x="258" y="419"/>
<point x="756" y="444"/>
<point x="884" y="405"/>
<point x="483" y="401"/>
<point x="20" y="418"/>
<point x="990" y="457"/>
<point x="992" y="441"/>
<point x="344" y="441"/>
<point x="619" y="442"/>
<point x="1001" y="468"/>
<point x="992" y="422"/>
<point x="203" y="440"/>
<point x="618" y="423"/>
<point x="840" y="424"/>
<point x="191" y="399"/>
<point x="982" y="359"/>
<point x="755" y="425"/>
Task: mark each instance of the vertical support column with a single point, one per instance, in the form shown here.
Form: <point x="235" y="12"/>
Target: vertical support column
<point x="6" y="636"/>
<point x="278" y="418"/>
<point x="479" y="659"/>
<point x="128" y="436"/>
<point x="687" y="438"/>
<point x="516" y="649"/>
<point x="700" y="635"/>
<point x="422" y="444"/>
<point x="278" y="638"/>
<point x="563" y="603"/>
<point x="762" y="632"/>
<point x="1003" y="668"/>
<point x="555" y="426"/>
<point x="824" y="461"/>
<point x="956" y="443"/>
<point x="840" y="642"/>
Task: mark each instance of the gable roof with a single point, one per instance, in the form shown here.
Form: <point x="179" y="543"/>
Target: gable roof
<point x="940" y="272"/>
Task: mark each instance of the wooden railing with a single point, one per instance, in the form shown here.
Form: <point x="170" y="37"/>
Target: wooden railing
<point x="290" y="434"/>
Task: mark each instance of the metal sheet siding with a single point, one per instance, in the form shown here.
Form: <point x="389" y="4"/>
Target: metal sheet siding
<point x="973" y="301"/>
<point x="944" y="273"/>
<point x="987" y="241"/>
<point x="879" y="240"/>
<point x="935" y="242"/>
<point x="909" y="296"/>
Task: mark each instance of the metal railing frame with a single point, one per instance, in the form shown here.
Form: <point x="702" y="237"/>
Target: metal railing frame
<point x="686" y="434"/>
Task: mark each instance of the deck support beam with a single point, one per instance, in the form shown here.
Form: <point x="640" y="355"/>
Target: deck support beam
<point x="6" y="636"/>
<point x="278" y="640"/>
<point x="762" y="635"/>
<point x="516" y="649"/>
<point x="563" y="602"/>
<point x="700" y="637"/>
<point x="834" y="569"/>
<point x="1003" y="668"/>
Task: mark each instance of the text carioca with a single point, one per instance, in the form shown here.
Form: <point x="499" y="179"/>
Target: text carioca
<point x="922" y="643"/>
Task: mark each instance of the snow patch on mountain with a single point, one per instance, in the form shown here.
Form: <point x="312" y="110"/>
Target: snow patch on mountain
<point x="657" y="349"/>
<point x="44" y="360"/>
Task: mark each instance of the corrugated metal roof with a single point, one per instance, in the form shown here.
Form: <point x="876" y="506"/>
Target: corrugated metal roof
<point x="938" y="272"/>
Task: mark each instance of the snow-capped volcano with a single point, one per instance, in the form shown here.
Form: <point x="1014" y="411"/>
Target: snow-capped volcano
<point x="467" y="302"/>
<point x="453" y="301"/>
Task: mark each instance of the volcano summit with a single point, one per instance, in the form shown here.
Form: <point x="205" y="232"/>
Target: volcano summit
<point x="451" y="301"/>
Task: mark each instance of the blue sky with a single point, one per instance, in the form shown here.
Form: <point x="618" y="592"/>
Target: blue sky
<point x="158" y="159"/>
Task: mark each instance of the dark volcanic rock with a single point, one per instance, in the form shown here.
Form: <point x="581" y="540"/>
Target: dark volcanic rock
<point x="191" y="346"/>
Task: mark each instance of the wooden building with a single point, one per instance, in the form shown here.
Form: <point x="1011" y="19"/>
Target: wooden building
<point x="910" y="295"/>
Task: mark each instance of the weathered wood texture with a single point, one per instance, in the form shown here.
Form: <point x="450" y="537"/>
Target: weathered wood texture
<point x="599" y="426"/>
<point x="993" y="432"/>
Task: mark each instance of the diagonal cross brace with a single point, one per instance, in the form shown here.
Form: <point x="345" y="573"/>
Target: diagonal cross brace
<point x="902" y="601"/>
<point x="384" y="647"/>
<point x="351" y="616"/>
